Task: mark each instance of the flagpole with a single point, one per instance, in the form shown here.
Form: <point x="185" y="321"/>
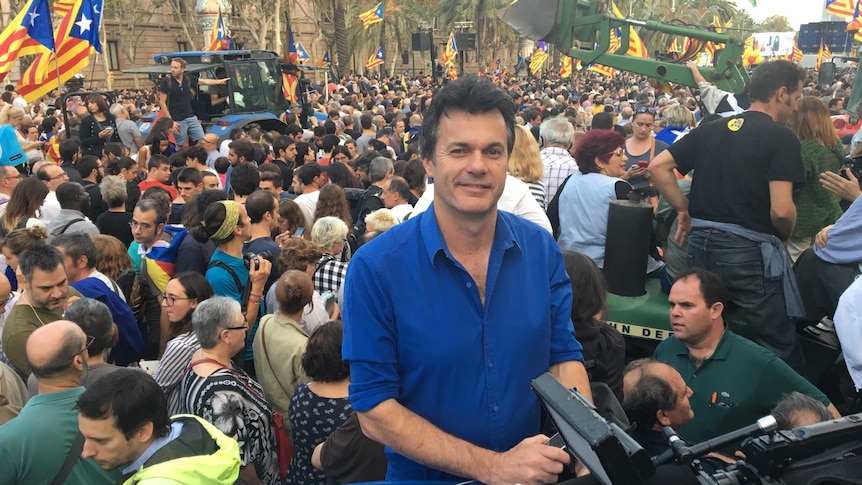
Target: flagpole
<point x="326" y="84"/>
<point x="57" y="67"/>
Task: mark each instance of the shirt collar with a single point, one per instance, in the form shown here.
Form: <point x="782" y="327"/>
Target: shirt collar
<point x="504" y="239"/>
<point x="159" y="443"/>
<point x="721" y="352"/>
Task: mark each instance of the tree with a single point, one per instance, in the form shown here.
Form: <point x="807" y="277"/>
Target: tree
<point x="134" y="16"/>
<point x="775" y="23"/>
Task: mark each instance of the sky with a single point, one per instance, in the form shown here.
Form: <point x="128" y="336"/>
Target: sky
<point x="797" y="11"/>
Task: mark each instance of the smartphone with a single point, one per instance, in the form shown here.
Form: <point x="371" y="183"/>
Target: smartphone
<point x="149" y="365"/>
<point x="299" y="231"/>
<point x="643" y="163"/>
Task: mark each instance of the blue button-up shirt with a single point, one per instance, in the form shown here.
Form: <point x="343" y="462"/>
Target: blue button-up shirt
<point x="416" y="331"/>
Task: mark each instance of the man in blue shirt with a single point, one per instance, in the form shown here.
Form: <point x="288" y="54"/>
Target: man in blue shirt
<point x="449" y="316"/>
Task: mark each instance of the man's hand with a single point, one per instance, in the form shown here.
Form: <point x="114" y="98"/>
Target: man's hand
<point x="683" y="227"/>
<point x="257" y="275"/>
<point x="822" y="236"/>
<point x="531" y="462"/>
<point x="847" y="189"/>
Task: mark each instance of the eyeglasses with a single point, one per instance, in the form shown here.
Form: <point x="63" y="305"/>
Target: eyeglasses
<point x="63" y="175"/>
<point x="16" y="176"/>
<point x="4" y="302"/>
<point x="645" y="109"/>
<point x="243" y="327"/>
<point x="618" y="152"/>
<point x="90" y="340"/>
<point x="170" y="300"/>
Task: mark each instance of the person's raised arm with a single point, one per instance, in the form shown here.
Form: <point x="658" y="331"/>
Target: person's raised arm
<point x="530" y="462"/>
<point x="698" y="77"/>
<point x="782" y="210"/>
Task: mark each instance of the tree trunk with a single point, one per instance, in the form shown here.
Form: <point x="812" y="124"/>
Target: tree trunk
<point x="480" y="31"/>
<point x="340" y="36"/>
<point x="276" y="19"/>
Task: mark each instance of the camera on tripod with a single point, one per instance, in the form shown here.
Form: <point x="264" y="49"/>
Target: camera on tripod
<point x="250" y="258"/>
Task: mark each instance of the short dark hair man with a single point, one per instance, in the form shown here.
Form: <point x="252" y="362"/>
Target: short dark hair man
<point x="284" y="150"/>
<point x="92" y="170"/>
<point x="158" y="175"/>
<point x="735" y="381"/>
<point x="244" y="180"/>
<point x="485" y="431"/>
<point x="48" y="292"/>
<point x="175" y="94"/>
<point x="34" y="445"/>
<point x="74" y="204"/>
<point x="80" y="254"/>
<point x="262" y="209"/>
<point x="379" y="170"/>
<point x="125" y="423"/>
<point x="70" y="151"/>
<point x="743" y="203"/>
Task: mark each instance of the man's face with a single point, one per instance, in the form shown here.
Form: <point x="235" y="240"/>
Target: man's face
<point x="268" y="186"/>
<point x="48" y="289"/>
<point x="681" y="412"/>
<point x="290" y="153"/>
<point x="100" y="172"/>
<point x="273" y="219"/>
<point x="177" y="69"/>
<point x="187" y="190"/>
<point x="839" y="105"/>
<point x="11" y="177"/>
<point x="297" y="187"/>
<point x="788" y="102"/>
<point x="245" y="235"/>
<point x="56" y="176"/>
<point x="73" y="272"/>
<point x="469" y="163"/>
<point x="232" y="156"/>
<point x="642" y="125"/>
<point x="399" y="127"/>
<point x="390" y="199"/>
<point x="106" y="444"/>
<point x="656" y="127"/>
<point x="210" y="142"/>
<point x="210" y="182"/>
<point x="690" y="317"/>
<point x="145" y="230"/>
<point x="162" y="173"/>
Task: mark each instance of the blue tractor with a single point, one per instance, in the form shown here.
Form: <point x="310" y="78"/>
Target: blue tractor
<point x="253" y="94"/>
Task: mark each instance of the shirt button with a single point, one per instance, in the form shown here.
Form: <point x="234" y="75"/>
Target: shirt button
<point x="469" y="285"/>
<point x="495" y="408"/>
<point x="490" y="364"/>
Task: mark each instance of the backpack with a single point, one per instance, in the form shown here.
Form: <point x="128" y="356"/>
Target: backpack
<point x="368" y="203"/>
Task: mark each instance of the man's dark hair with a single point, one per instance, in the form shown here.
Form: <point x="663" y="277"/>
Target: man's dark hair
<point x="42" y="257"/>
<point x="75" y="245"/>
<point x="471" y="94"/>
<point x="308" y="172"/>
<point x="190" y="175"/>
<point x="270" y="173"/>
<point x="236" y="133"/>
<point x="603" y="121"/>
<point x="260" y="153"/>
<point x="366" y="121"/>
<point x="69" y="195"/>
<point x="650" y="395"/>
<point x="197" y="152"/>
<point x="293" y="130"/>
<point x="281" y="143"/>
<point x="769" y="77"/>
<point x="329" y="142"/>
<point x="329" y="127"/>
<point x="243" y="149"/>
<point x="319" y="131"/>
<point x="179" y="60"/>
<point x="131" y="397"/>
<point x="530" y="114"/>
<point x="244" y="179"/>
<point x="95" y="319"/>
<point x="221" y="164"/>
<point x="69" y="148"/>
<point x="322" y="359"/>
<point x="157" y="161"/>
<point x="198" y="205"/>
<point x="791" y="405"/>
<point x="400" y="186"/>
<point x="259" y="203"/>
<point x="712" y="287"/>
<point x="87" y="164"/>
<point x="115" y="149"/>
<point x="148" y="204"/>
<point x="834" y="102"/>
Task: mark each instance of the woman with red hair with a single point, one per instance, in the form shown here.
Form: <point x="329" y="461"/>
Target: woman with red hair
<point x="585" y="197"/>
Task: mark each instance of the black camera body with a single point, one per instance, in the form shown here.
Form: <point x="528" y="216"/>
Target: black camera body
<point x="249" y="258"/>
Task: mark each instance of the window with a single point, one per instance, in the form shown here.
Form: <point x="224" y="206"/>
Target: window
<point x="182" y="47"/>
<point x="113" y="55"/>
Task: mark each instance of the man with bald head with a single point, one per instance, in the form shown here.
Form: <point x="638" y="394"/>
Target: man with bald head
<point x="34" y="445"/>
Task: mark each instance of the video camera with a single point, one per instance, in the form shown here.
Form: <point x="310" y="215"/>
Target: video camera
<point x="808" y="454"/>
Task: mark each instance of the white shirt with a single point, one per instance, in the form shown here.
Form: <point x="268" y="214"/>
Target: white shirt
<point x="848" y="327"/>
<point x="50" y="208"/>
<point x="308" y="204"/>
<point x="516" y="199"/>
<point x="224" y="148"/>
<point x="401" y="211"/>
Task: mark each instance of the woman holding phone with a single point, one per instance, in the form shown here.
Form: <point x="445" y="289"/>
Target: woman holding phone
<point x="99" y="127"/>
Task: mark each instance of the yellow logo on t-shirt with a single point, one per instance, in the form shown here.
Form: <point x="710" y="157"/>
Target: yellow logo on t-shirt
<point x="735" y="124"/>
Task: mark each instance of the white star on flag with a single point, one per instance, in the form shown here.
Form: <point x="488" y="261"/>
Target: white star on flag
<point x="33" y="16"/>
<point x="84" y="23"/>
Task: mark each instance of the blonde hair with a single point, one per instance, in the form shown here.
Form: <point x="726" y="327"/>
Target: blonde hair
<point x="382" y="219"/>
<point x="9" y="112"/>
<point x="113" y="259"/>
<point x="811" y="121"/>
<point x="525" y="162"/>
<point x="678" y="115"/>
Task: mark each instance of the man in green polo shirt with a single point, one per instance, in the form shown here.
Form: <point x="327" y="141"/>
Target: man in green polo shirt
<point x="735" y="381"/>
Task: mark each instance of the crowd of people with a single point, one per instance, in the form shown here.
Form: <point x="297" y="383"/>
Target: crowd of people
<point x="370" y="295"/>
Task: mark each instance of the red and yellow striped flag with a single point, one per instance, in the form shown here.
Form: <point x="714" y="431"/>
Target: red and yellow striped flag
<point x="636" y="45"/>
<point x="15" y="42"/>
<point x="567" y="67"/>
<point x="73" y="52"/>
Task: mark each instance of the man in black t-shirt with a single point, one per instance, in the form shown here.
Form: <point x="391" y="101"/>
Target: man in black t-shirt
<point x="175" y="96"/>
<point x="740" y="210"/>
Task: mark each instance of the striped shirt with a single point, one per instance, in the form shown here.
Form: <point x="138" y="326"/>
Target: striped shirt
<point x="558" y="165"/>
<point x="172" y="368"/>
